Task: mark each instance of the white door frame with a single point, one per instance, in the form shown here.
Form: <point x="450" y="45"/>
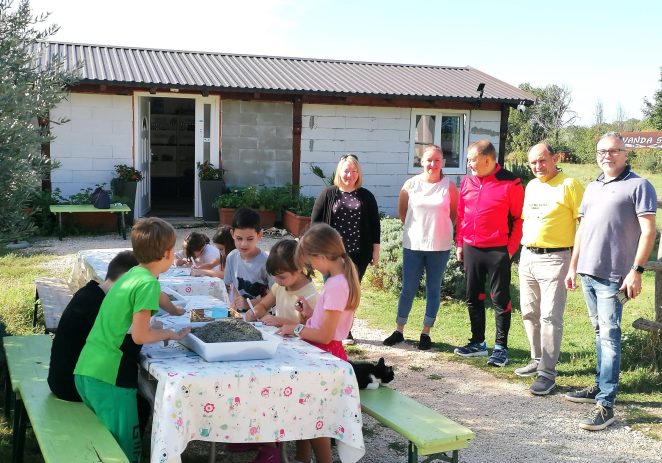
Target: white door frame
<point x="214" y="124"/>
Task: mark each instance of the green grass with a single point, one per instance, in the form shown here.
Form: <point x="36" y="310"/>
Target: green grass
<point x="17" y="275"/>
<point x="639" y="383"/>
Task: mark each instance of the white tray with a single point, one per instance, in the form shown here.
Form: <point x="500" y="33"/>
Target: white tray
<point x="229" y="351"/>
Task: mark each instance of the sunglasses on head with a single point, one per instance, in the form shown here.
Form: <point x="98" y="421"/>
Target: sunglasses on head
<point x="345" y="156"/>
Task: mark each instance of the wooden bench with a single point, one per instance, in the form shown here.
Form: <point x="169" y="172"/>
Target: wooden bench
<point x="65" y="431"/>
<point x="429" y="433"/>
<point x="54" y="294"/>
<point x="120" y="209"/>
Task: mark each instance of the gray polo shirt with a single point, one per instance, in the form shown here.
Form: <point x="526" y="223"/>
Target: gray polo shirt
<point x="610" y="224"/>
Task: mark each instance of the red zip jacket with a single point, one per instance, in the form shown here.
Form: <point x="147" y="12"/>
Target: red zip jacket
<point x="489" y="211"/>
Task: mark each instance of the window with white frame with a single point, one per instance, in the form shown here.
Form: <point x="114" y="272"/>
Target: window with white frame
<point x="447" y="129"/>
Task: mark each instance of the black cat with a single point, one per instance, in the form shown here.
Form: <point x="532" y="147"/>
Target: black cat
<point x="370" y="375"/>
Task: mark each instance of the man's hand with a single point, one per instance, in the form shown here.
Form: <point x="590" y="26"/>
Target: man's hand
<point x="571" y="279"/>
<point x="458" y="254"/>
<point x="632" y="284"/>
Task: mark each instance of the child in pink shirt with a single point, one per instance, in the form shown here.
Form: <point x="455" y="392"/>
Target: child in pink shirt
<point x="322" y="249"/>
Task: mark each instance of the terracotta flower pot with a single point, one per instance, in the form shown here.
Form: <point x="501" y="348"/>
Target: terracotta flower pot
<point x="225" y="215"/>
<point x="295" y="224"/>
<point x="267" y="218"/>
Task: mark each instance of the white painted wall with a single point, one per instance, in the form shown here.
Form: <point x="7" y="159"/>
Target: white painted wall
<point x="379" y="137"/>
<point x="98" y="136"/>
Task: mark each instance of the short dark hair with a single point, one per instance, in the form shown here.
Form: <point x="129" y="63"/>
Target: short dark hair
<point x="246" y="218"/>
<point x="281" y="258"/>
<point x="120" y="264"/>
<point x="151" y="237"/>
<point x="195" y="241"/>
<point x="484" y="148"/>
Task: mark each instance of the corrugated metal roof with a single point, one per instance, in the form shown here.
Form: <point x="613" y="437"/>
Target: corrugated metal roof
<point x="202" y="70"/>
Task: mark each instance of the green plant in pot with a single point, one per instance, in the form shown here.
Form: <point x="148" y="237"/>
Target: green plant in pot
<point x="296" y="218"/>
<point x="260" y="198"/>
<point x="211" y="186"/>
<point x="125" y="185"/>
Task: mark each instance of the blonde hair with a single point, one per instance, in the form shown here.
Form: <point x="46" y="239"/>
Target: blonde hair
<point x="353" y="160"/>
<point x="322" y="240"/>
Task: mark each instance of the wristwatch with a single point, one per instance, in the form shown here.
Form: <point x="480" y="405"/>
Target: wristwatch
<point x="637" y="268"/>
<point x="298" y="329"/>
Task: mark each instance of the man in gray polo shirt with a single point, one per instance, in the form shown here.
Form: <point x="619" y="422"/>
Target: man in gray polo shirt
<point x="613" y="242"/>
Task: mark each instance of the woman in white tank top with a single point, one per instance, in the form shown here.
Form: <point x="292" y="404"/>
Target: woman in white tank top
<point x="427" y="207"/>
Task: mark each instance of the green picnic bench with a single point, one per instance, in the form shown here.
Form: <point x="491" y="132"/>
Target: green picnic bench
<point x="65" y="431"/>
<point x="54" y="295"/>
<point x="121" y="209"/>
<point x="429" y="433"/>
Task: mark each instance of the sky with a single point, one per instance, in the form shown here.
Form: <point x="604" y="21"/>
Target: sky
<point x="603" y="50"/>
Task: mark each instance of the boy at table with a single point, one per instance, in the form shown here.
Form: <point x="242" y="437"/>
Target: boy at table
<point x="129" y="304"/>
<point x="245" y="267"/>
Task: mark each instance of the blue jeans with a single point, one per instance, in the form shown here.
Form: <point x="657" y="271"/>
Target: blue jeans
<point x="413" y="264"/>
<point x="605" y="312"/>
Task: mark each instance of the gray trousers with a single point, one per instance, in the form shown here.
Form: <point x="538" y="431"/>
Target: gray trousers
<point x="542" y="299"/>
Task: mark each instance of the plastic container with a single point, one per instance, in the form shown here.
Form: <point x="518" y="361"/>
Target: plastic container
<point x="231" y="351"/>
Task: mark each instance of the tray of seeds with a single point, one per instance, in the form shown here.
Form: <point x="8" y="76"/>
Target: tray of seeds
<point x="231" y="339"/>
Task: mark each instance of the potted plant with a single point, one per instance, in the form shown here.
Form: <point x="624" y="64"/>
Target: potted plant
<point x="296" y="218"/>
<point x="259" y="198"/>
<point x="211" y="186"/>
<point x="226" y="204"/>
<point x="125" y="184"/>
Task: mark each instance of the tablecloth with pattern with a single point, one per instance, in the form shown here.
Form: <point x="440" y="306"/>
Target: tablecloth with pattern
<point x="91" y="264"/>
<point x="300" y="393"/>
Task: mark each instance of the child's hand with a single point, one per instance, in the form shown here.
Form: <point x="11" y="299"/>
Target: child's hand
<point x="270" y="320"/>
<point x="196" y="272"/>
<point x="303" y="307"/>
<point x="250" y="316"/>
<point x="286" y="330"/>
<point x="179" y="310"/>
<point x="239" y="303"/>
<point x="177" y="335"/>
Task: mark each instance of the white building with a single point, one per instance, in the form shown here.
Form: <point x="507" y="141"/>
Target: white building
<point x="268" y="119"/>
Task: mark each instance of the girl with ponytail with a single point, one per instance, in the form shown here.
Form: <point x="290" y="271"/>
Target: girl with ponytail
<point x="321" y="248"/>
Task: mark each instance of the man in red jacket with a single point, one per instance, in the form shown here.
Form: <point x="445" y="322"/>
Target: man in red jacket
<point x="489" y="229"/>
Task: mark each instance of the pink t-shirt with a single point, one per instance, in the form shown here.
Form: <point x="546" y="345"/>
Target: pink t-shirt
<point x="334" y="296"/>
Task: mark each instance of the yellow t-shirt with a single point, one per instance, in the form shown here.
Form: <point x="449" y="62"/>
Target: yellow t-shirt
<point x="285" y="300"/>
<point x="550" y="212"/>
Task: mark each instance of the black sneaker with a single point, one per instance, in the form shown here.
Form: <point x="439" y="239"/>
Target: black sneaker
<point x="586" y="395"/>
<point x="598" y="419"/>
<point x="542" y="386"/>
<point x="394" y="338"/>
<point x="425" y="342"/>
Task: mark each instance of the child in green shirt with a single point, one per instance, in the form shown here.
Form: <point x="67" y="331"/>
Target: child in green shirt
<point x="129" y="304"/>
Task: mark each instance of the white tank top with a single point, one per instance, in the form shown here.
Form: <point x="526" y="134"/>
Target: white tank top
<point x="428" y="225"/>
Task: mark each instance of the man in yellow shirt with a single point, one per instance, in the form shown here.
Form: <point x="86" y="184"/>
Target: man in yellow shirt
<point x="550" y="213"/>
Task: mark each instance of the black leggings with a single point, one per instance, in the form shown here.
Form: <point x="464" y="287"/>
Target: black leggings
<point x="494" y="264"/>
<point x="360" y="266"/>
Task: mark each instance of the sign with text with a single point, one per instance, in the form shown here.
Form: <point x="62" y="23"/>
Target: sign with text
<point x="642" y="139"/>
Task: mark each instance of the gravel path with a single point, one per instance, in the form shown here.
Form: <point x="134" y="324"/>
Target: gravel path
<point x="510" y="424"/>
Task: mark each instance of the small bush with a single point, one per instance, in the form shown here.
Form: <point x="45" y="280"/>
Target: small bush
<point x="647" y="160"/>
<point x="388" y="274"/>
<point x="522" y="171"/>
<point x="641" y="349"/>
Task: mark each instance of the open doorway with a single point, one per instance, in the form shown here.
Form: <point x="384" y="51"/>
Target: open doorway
<point x="172" y="148"/>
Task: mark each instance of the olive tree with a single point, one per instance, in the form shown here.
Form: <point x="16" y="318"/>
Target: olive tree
<point x="31" y="84"/>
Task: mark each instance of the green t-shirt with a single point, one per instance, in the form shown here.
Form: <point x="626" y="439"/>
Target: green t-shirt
<point x="136" y="290"/>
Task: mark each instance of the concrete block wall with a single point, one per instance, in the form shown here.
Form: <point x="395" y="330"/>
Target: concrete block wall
<point x="256" y="142"/>
<point x="98" y="136"/>
<point x="378" y="136"/>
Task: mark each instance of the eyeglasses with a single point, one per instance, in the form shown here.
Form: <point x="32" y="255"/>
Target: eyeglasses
<point x="603" y="153"/>
<point x="345" y="156"/>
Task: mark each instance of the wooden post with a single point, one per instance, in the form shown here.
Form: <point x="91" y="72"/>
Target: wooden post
<point x="658" y="285"/>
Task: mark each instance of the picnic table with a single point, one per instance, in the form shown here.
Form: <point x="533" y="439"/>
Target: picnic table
<point x="92" y="264"/>
<point x="300" y="393"/>
<point x="118" y="208"/>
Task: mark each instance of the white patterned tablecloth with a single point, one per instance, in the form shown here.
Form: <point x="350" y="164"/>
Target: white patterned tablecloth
<point x="91" y="264"/>
<point x="301" y="393"/>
